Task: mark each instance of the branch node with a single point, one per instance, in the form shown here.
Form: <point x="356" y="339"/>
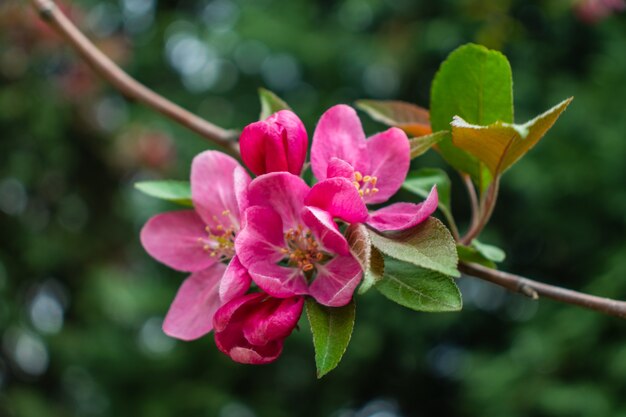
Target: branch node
<point x="528" y="291"/>
<point x="45" y="9"/>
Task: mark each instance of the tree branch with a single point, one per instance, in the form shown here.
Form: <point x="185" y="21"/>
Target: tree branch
<point x="127" y="85"/>
<point x="536" y="289"/>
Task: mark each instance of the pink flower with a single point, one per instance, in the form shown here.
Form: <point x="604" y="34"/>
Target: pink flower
<point x="593" y="11"/>
<point x="290" y="243"/>
<point x="377" y="166"/>
<point x="251" y="328"/>
<point x="278" y="143"/>
<point x="201" y="241"/>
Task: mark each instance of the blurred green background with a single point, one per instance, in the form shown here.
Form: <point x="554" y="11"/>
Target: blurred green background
<point x="81" y="304"/>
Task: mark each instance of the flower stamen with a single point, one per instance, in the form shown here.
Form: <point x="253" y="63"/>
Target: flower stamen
<point x="365" y="184"/>
<point x="302" y="249"/>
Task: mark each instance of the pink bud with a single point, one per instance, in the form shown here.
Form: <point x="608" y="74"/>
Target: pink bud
<point x="278" y="143"/>
<point x="251" y="329"/>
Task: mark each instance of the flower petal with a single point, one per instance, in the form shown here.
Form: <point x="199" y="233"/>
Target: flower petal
<point x="228" y="322"/>
<point x="281" y="191"/>
<point x="339" y="168"/>
<point x="172" y="238"/>
<point x="295" y="139"/>
<point x="335" y="281"/>
<point x="235" y="281"/>
<point x="278" y="281"/>
<point x="213" y="189"/>
<point x="278" y="143"/>
<point x="241" y="181"/>
<point x="191" y="314"/>
<point x="402" y="216"/>
<point x="390" y="159"/>
<point x="339" y="197"/>
<point x="261" y="238"/>
<point x="275" y="319"/>
<point x="325" y="230"/>
<point x="339" y="134"/>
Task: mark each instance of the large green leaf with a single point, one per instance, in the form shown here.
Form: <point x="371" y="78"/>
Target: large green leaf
<point x="500" y="145"/>
<point x="178" y="192"/>
<point x="421" y="182"/>
<point x="476" y="84"/>
<point x="270" y="103"/>
<point x="414" y="120"/>
<point x="418" y="288"/>
<point x="332" y="330"/>
<point x="429" y="245"/>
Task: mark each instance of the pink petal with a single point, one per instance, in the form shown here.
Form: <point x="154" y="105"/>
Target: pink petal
<point x="402" y="216"/>
<point x="256" y="355"/>
<point x="278" y="281"/>
<point x="191" y="314"/>
<point x="235" y="282"/>
<point x="229" y="338"/>
<point x="339" y="168"/>
<point x="275" y="319"/>
<point x="325" y="230"/>
<point x="390" y="159"/>
<point x="213" y="189"/>
<point x="295" y="137"/>
<point x="278" y="143"/>
<point x="172" y="238"/>
<point x="281" y="191"/>
<point x="335" y="281"/>
<point x="339" y="197"/>
<point x="339" y="134"/>
<point x="241" y="181"/>
<point x="261" y="238"/>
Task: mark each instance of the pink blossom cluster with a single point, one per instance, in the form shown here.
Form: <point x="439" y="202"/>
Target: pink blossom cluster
<point x="256" y="248"/>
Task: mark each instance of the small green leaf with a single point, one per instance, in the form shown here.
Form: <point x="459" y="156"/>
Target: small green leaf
<point x="476" y="84"/>
<point x="178" y="192"/>
<point x="500" y="145"/>
<point x="429" y="245"/>
<point x="418" y="288"/>
<point x="414" y="120"/>
<point x="421" y="182"/>
<point x="332" y="330"/>
<point x="270" y="103"/>
<point x="472" y="255"/>
<point x="421" y="144"/>
<point x="493" y="253"/>
<point x="374" y="272"/>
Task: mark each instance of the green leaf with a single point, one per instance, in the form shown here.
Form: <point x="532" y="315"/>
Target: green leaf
<point x="429" y="245"/>
<point x="472" y="255"/>
<point x="476" y="84"/>
<point x="414" y="120"/>
<point x="332" y="330"/>
<point x="493" y="253"/>
<point x="421" y="144"/>
<point x="420" y="182"/>
<point x="374" y="272"/>
<point x="178" y="192"/>
<point x="500" y="145"/>
<point x="270" y="103"/>
<point x="418" y="288"/>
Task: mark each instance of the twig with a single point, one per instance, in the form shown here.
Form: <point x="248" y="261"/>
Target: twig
<point x="127" y="85"/>
<point x="486" y="210"/>
<point x="536" y="289"/>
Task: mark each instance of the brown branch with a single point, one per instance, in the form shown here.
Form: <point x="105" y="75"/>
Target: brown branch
<point x="127" y="85"/>
<point x="536" y="289"/>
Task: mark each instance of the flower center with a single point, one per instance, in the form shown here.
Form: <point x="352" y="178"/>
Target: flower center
<point x="366" y="184"/>
<point x="220" y="240"/>
<point x="302" y="249"/>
